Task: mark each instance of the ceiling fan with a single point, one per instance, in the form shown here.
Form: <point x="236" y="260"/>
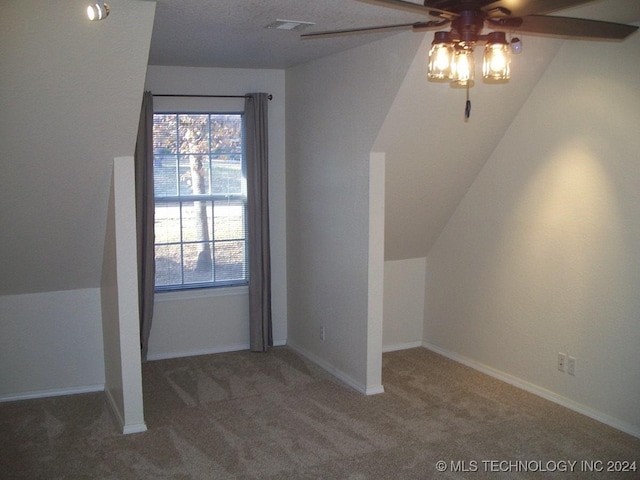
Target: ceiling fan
<point x="451" y="59"/>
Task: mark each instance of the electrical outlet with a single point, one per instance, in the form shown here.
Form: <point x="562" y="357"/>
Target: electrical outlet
<point x="322" y="333"/>
<point x="562" y="361"/>
<point x="571" y="366"/>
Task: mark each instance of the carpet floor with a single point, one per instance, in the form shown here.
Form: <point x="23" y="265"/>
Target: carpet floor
<point x="243" y="415"/>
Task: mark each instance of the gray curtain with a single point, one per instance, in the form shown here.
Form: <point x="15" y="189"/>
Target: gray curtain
<point x="145" y="220"/>
<point x="256" y="150"/>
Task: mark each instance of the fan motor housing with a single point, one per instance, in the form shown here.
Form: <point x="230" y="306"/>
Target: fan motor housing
<point x="468" y="25"/>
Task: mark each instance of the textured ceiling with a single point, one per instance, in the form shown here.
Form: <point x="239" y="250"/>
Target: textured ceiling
<point x="232" y="33"/>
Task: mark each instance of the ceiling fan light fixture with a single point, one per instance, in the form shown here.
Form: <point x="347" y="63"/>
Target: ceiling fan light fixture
<point x="496" y="62"/>
<point x="440" y="57"/>
<point x="463" y="66"/>
<point x="98" y="11"/>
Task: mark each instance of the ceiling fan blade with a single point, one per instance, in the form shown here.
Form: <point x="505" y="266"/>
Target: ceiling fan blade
<point x="573" y="27"/>
<point x="418" y="26"/>
<point x="422" y="26"/>
<point x="521" y="8"/>
<point x="409" y="7"/>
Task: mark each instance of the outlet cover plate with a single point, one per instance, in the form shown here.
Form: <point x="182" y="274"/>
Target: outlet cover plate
<point x="562" y="361"/>
<point x="571" y="366"/>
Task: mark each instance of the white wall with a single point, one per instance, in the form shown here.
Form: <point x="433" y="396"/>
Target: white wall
<point x="119" y="299"/>
<point x="70" y="94"/>
<point x="50" y="344"/>
<point x="335" y="107"/>
<point x="433" y="155"/>
<point x="404" y="286"/>
<point x="192" y="323"/>
<point x="375" y="274"/>
<point x="198" y="323"/>
<point x="542" y="255"/>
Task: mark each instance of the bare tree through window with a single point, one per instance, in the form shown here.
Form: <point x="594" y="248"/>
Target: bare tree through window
<point x="200" y="192"/>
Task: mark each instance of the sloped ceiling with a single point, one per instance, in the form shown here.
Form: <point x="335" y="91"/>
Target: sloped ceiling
<point x="70" y="94"/>
<point x="433" y="155"/>
<point x="232" y="33"/>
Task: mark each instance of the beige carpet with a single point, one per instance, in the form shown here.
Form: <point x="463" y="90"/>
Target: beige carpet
<point x="276" y="416"/>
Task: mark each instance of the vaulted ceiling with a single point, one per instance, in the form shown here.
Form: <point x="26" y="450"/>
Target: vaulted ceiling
<point x="70" y="99"/>
<point x="432" y="154"/>
<point x="233" y="33"/>
<point x="68" y="83"/>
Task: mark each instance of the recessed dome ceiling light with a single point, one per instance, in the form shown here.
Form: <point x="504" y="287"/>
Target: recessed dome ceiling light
<point x="98" y="11"/>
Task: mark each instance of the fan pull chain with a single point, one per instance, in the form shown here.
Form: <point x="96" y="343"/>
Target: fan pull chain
<point x="467" y="108"/>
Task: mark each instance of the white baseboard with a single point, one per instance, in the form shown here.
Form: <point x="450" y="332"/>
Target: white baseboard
<point x="115" y="411"/>
<point x="207" y="351"/>
<point x="117" y="415"/>
<point x="339" y="374"/>
<point x="194" y="353"/>
<point x="536" y="390"/>
<point x="55" y="392"/>
<point x="377" y="390"/>
<point x="136" y="428"/>
<point x="401" y="346"/>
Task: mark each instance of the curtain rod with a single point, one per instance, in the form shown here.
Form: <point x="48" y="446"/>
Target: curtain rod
<point x="270" y="97"/>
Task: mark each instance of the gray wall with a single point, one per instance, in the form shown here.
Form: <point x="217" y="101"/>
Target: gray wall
<point x="335" y="107"/>
<point x="542" y="254"/>
<point x="70" y="94"/>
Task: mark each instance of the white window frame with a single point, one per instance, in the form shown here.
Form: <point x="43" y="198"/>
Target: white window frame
<point x="207" y="287"/>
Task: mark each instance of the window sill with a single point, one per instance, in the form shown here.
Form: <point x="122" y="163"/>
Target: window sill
<point x="196" y="293"/>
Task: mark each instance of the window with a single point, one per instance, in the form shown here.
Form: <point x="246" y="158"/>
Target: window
<point x="201" y="201"/>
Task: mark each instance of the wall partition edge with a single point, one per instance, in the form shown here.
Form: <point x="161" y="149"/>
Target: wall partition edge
<point x="119" y="295"/>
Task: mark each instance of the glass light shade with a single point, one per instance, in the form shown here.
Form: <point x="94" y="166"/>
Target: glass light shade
<point x="516" y="46"/>
<point x="496" y="63"/>
<point x="463" y="67"/>
<point x="440" y="57"/>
